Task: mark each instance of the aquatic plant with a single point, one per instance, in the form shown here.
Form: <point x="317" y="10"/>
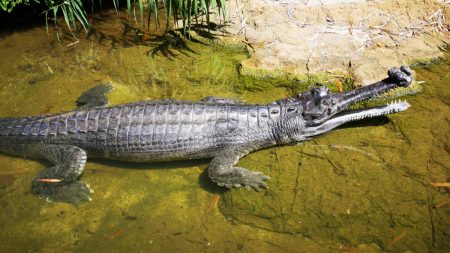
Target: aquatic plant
<point x="9" y="5"/>
<point x="74" y="11"/>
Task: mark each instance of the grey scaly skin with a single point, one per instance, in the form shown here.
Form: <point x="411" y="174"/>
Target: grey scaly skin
<point x="167" y="130"/>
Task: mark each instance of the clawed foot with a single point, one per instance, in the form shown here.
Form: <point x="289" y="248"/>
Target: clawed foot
<point x="75" y="192"/>
<point x="242" y="177"/>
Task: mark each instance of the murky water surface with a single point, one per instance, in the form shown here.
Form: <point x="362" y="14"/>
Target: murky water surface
<point x="362" y="188"/>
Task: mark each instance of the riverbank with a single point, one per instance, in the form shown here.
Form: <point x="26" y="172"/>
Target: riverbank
<point x="358" y="38"/>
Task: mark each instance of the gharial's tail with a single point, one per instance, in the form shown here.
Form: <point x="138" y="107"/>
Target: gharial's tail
<point x="5" y="125"/>
<point x="13" y="133"/>
<point x="19" y="126"/>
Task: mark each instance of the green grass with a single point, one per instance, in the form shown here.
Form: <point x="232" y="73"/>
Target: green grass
<point x="74" y="12"/>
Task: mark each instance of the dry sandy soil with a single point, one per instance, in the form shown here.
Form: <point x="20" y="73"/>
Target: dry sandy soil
<point x="362" y="38"/>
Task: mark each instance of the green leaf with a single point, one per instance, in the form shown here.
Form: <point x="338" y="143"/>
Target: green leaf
<point x="168" y="12"/>
<point x="180" y="10"/>
<point x="189" y="11"/>
<point x="212" y="3"/>
<point x="149" y="13"/>
<point x="195" y="7"/>
<point x="79" y="6"/>
<point x="46" y="21"/>
<point x="80" y="14"/>
<point x="134" y="10"/>
<point x="64" y="11"/>
<point x="183" y="16"/>
<point x="203" y="5"/>
<point x="156" y="13"/>
<point x="207" y="13"/>
<point x="116" y="5"/>
<point x="55" y="12"/>
<point x="72" y="18"/>
<point x="141" y="11"/>
<point x="221" y="7"/>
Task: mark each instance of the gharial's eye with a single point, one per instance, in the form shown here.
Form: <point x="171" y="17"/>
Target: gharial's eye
<point x="321" y="92"/>
<point x="291" y="109"/>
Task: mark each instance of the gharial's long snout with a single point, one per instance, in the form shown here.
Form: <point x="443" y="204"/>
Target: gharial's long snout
<point x="335" y="115"/>
<point x="397" y="77"/>
<point x="329" y="104"/>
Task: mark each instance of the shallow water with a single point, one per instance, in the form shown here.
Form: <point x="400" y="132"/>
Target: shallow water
<point x="362" y="188"/>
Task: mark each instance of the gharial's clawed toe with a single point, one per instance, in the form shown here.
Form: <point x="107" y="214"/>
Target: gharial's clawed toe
<point x="74" y="193"/>
<point x="240" y="177"/>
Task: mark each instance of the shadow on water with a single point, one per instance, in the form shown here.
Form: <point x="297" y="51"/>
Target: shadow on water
<point x="207" y="31"/>
<point x="170" y="44"/>
<point x="203" y="180"/>
<point x="207" y="184"/>
<point x="120" y="31"/>
<point x="150" y="166"/>
<point x="378" y="121"/>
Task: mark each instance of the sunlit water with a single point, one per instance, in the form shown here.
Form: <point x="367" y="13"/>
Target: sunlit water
<point x="362" y="188"/>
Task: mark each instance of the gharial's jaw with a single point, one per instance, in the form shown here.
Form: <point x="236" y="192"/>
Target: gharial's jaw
<point x="397" y="77"/>
<point x="320" y="105"/>
<point x="355" y="115"/>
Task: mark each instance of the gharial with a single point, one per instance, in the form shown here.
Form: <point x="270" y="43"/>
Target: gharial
<point x="166" y="130"/>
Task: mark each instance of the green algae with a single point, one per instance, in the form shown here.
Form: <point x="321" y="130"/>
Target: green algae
<point x="355" y="189"/>
<point x="139" y="207"/>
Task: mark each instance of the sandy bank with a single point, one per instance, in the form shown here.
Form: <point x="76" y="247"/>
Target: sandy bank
<point x="361" y="38"/>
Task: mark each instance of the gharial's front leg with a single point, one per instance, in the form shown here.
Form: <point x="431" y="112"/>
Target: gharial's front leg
<point x="222" y="171"/>
<point x="60" y="182"/>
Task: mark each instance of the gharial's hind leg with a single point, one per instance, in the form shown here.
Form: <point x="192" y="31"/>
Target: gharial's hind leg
<point x="95" y="97"/>
<point x="60" y="182"/>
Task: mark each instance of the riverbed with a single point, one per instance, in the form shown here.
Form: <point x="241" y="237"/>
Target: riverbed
<point x="365" y="187"/>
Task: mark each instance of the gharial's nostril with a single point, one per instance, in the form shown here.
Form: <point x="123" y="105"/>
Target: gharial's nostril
<point x="406" y="70"/>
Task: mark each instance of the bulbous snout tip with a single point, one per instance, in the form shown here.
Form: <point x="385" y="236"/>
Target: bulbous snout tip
<point x="401" y="76"/>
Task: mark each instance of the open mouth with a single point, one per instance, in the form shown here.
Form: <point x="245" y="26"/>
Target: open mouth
<point x="354" y="115"/>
